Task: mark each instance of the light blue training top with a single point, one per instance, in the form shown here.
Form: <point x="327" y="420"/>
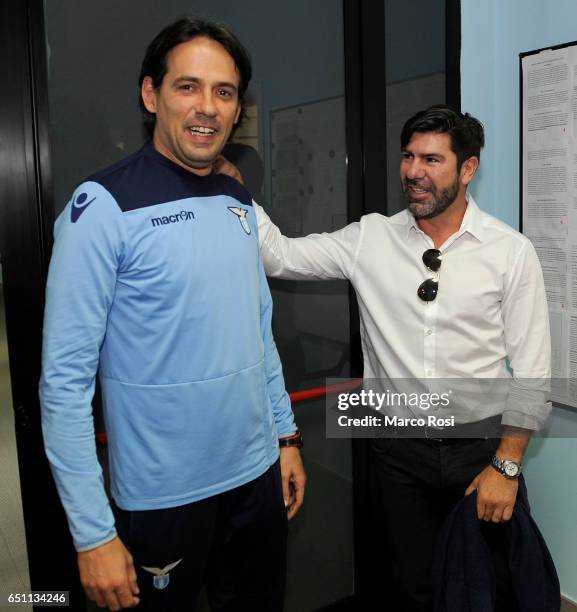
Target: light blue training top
<point x="156" y="279"/>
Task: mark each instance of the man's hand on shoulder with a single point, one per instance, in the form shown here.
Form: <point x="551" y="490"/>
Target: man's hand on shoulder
<point x="221" y="165"/>
<point x="293" y="479"/>
<point x="108" y="576"/>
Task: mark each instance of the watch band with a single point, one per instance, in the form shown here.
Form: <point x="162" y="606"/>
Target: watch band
<point x="509" y="469"/>
<point x="295" y="439"/>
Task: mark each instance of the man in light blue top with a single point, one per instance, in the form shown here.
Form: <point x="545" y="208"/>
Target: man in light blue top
<point x="156" y="279"/>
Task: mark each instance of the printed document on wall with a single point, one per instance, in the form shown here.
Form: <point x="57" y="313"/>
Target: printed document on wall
<point x="549" y="197"/>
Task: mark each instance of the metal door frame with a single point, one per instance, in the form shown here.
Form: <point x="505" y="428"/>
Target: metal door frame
<point x="26" y="216"/>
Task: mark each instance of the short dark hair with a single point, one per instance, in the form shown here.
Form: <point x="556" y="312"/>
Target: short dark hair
<point x="182" y="30"/>
<point x="465" y="132"/>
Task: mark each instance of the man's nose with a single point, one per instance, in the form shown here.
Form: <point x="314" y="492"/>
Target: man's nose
<point x="414" y="169"/>
<point x="206" y="105"/>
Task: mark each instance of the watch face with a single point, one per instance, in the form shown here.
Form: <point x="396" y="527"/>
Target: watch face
<point x="511" y="468"/>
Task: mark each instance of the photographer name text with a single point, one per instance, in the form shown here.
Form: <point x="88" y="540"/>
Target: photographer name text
<point x="395" y="421"/>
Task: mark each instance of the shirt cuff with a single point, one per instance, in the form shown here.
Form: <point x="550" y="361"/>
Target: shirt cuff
<point x="88" y="547"/>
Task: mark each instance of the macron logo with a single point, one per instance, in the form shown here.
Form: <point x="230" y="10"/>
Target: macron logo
<point x="79" y="206"/>
<point x="183" y="215"/>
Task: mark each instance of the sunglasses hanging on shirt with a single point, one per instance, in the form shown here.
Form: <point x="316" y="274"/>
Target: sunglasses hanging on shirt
<point x="429" y="288"/>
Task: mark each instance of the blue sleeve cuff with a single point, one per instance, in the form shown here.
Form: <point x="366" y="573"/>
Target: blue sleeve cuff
<point x="94" y="545"/>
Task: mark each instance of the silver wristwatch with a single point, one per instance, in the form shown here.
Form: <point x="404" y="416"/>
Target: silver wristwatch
<point x="508" y="468"/>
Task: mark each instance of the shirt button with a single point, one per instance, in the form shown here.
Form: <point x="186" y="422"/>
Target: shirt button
<point x="429" y="332"/>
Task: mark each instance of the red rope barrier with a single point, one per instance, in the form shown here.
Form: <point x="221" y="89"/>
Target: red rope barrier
<point x="306" y="394"/>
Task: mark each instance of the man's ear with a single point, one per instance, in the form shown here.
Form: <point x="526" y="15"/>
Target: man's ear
<point x="148" y="94"/>
<point x="237" y="116"/>
<point x="468" y="170"/>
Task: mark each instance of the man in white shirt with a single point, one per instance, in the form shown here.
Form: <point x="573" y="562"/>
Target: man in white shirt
<point x="444" y="291"/>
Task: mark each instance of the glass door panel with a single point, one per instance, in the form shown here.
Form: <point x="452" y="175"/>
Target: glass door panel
<point x="292" y="154"/>
<point x="415" y="68"/>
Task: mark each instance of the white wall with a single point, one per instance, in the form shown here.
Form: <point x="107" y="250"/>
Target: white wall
<point x="494" y="32"/>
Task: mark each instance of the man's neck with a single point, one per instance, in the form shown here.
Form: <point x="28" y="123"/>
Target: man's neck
<point x="442" y="226"/>
<point x="164" y="150"/>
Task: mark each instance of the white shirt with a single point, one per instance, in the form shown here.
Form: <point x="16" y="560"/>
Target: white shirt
<point x="491" y="303"/>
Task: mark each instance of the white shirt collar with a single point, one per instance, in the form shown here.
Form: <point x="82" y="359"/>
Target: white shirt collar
<point x="472" y="221"/>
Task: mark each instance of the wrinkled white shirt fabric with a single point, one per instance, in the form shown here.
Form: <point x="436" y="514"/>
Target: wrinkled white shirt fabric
<point x="489" y="321"/>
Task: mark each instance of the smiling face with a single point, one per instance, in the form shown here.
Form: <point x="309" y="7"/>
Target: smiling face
<point x="196" y="105"/>
<point x="429" y="175"/>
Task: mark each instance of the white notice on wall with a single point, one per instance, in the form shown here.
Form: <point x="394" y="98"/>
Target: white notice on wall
<point x="549" y="184"/>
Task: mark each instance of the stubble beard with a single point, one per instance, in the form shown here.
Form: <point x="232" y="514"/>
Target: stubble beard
<point x="441" y="200"/>
<point x="197" y="157"/>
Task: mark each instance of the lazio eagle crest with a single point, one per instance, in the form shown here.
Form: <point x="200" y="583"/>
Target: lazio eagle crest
<point x="161" y="575"/>
<point x="241" y="214"/>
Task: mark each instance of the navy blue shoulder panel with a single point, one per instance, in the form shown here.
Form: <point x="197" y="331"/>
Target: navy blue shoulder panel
<point x="147" y="178"/>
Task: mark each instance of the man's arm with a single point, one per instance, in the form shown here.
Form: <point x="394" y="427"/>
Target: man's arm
<point x="292" y="470"/>
<point x="87" y="252"/>
<point x="315" y="257"/>
<point x="528" y="341"/>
